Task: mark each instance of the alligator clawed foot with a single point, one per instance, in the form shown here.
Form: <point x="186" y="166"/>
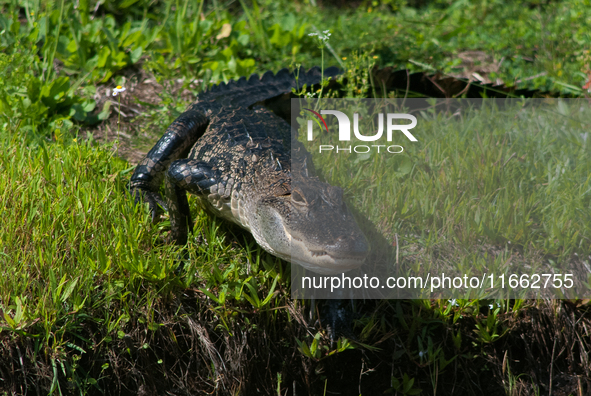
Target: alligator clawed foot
<point x="338" y="319"/>
<point x="154" y="201"/>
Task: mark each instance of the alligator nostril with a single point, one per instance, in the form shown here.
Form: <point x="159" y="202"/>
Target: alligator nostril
<point x="352" y="245"/>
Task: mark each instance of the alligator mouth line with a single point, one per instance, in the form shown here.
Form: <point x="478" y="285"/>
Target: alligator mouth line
<point x="333" y="255"/>
<point x="336" y="255"/>
<point x="317" y="253"/>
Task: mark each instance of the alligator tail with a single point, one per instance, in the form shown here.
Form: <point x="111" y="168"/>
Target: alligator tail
<point x="246" y="92"/>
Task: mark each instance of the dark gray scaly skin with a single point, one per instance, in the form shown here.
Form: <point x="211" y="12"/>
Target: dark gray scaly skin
<point x="235" y="156"/>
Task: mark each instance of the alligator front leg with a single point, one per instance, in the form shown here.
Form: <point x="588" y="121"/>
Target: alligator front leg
<point x="180" y="136"/>
<point x="185" y="175"/>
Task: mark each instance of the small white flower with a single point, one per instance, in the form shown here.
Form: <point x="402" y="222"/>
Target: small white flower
<point x="313" y="34"/>
<point x="117" y="90"/>
<point x="422" y="353"/>
<point x="326" y="31"/>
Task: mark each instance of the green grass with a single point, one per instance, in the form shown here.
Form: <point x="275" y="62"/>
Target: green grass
<point x="77" y="252"/>
<point x="89" y="300"/>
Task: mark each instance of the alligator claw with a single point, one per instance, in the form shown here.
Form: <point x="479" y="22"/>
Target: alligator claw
<point x="154" y="200"/>
<point x="337" y="318"/>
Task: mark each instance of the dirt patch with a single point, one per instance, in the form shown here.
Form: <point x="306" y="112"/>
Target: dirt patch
<point x="142" y="95"/>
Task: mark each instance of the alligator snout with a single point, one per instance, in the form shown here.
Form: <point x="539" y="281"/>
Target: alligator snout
<point x="332" y="256"/>
<point x="354" y="246"/>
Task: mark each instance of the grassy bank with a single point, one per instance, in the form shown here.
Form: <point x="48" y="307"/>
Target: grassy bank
<point x="89" y="300"/>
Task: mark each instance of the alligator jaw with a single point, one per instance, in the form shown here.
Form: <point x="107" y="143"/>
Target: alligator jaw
<point x="348" y="251"/>
<point x="314" y="259"/>
<point x="325" y="263"/>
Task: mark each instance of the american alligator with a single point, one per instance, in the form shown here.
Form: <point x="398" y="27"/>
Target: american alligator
<point x="234" y="155"/>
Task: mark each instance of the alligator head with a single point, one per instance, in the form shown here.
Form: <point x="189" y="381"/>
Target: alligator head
<point x="309" y="224"/>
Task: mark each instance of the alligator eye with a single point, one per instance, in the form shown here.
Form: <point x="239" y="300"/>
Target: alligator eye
<point x="297" y="197"/>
